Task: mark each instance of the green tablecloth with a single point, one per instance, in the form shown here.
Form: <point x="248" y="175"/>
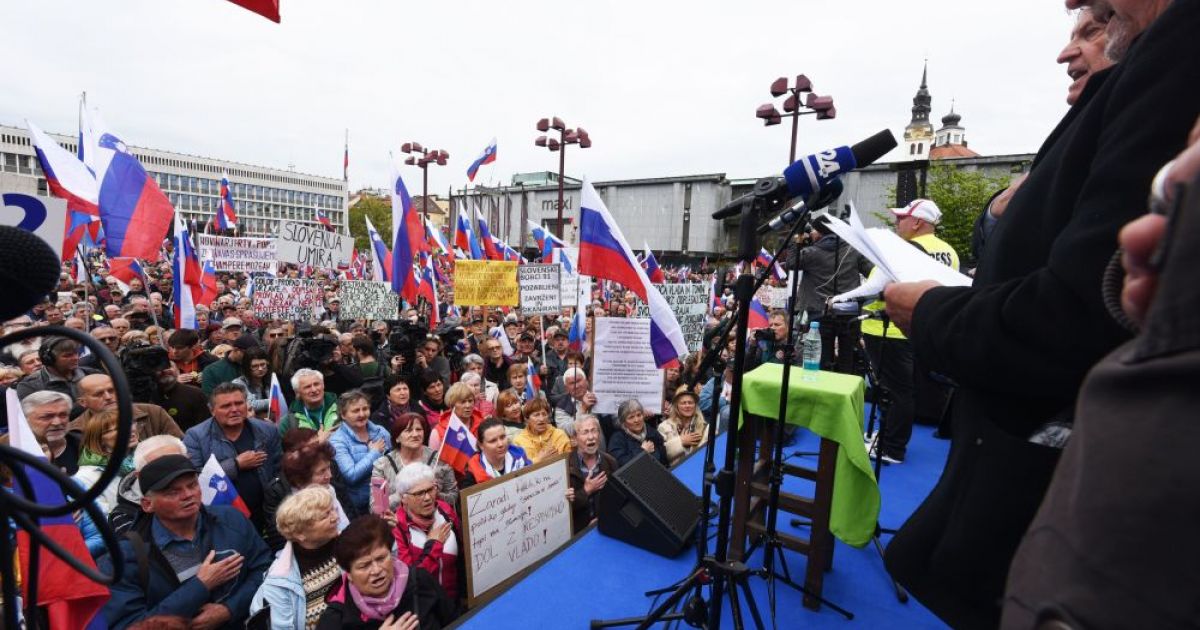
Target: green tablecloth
<point x="831" y="405"/>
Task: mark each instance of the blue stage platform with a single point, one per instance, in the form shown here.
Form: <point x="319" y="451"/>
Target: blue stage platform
<point x="597" y="577"/>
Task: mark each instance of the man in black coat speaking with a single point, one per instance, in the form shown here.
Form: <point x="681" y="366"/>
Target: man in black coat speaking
<point x="1020" y="340"/>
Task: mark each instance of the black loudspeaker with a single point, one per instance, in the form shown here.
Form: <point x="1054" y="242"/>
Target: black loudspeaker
<point x="644" y="505"/>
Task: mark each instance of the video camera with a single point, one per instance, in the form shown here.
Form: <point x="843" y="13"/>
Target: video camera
<point x="142" y="362"/>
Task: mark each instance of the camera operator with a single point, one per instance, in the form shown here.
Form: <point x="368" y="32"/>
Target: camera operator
<point x="768" y="343"/>
<point x="153" y="380"/>
<point x="317" y="353"/>
<point x="830" y="267"/>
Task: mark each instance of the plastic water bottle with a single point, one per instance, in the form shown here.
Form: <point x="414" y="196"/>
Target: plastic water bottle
<point x="812" y="347"/>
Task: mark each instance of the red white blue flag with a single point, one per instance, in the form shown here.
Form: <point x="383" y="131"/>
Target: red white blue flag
<point x="217" y="489"/>
<point x="487" y="157"/>
<point x="758" y="315"/>
<point x="186" y="278"/>
<point x="458" y="445"/>
<point x="485" y="236"/>
<point x="69" y="599"/>
<point x="68" y="178"/>
<point x="604" y="253"/>
<point x="650" y="264"/>
<point x="279" y="406"/>
<point x="226" y="216"/>
<point x="381" y="256"/>
<point x="404" y="217"/>
<point x="464" y="237"/>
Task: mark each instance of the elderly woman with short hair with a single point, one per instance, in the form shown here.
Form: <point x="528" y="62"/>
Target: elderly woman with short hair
<point x="540" y="439"/>
<point x="305" y="570"/>
<point x="460" y="403"/>
<point x="474" y="363"/>
<point x="485" y="407"/>
<point x="427" y="527"/>
<point x="635" y="435"/>
<point x="408" y="448"/>
<point x="357" y="443"/>
<point x="307" y="461"/>
<point x="377" y="591"/>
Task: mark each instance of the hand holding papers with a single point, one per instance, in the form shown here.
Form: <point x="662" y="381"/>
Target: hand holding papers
<point x="897" y="259"/>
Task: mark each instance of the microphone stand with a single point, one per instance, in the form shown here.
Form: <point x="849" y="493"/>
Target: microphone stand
<point x="725" y="577"/>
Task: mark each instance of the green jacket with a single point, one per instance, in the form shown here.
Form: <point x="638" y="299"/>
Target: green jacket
<point x="216" y="373"/>
<point x="301" y="418"/>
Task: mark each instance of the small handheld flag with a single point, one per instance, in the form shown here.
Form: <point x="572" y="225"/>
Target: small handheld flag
<point x="458" y="445"/>
<point x="279" y="406"/>
<point x="216" y="489"/>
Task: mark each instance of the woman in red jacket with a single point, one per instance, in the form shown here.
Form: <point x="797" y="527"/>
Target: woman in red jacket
<point x="426" y="528"/>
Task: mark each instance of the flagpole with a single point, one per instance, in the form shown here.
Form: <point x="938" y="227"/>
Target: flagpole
<point x="87" y="276"/>
<point x="162" y="333"/>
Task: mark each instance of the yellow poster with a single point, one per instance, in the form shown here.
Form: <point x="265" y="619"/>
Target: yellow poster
<point x="485" y="283"/>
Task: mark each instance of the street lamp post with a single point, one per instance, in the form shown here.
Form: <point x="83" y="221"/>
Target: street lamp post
<point x="422" y="157"/>
<point x="566" y="136"/>
<point x="822" y="106"/>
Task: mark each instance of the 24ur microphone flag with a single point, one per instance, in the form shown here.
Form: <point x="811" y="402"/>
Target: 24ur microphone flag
<point x="487" y="157"/>
<point x="226" y="217"/>
<point x="135" y="213"/>
<point x="69" y="599"/>
<point x="604" y="253"/>
<point x="69" y="179"/>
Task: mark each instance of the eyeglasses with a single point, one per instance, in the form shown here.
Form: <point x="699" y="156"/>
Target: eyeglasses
<point x="420" y="494"/>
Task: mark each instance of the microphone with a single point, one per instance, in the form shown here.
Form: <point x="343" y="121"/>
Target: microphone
<point x="825" y="197"/>
<point x="813" y="173"/>
<point x="28" y="270"/>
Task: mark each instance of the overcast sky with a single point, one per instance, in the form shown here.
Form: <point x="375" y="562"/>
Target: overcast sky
<point x="664" y="88"/>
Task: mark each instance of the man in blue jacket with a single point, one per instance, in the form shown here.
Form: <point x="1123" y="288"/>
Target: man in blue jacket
<point x="248" y="449"/>
<point x="200" y="563"/>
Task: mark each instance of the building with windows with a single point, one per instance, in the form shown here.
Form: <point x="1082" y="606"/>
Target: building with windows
<point x="263" y="196"/>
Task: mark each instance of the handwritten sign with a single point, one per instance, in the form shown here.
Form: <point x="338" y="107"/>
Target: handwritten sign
<point x="623" y="365"/>
<point x="485" y="283"/>
<point x="541" y="290"/>
<point x="238" y="254"/>
<point x="287" y="298"/>
<point x="362" y="299"/>
<point x="689" y="302"/>
<point x="312" y="245"/>
<point x="512" y="522"/>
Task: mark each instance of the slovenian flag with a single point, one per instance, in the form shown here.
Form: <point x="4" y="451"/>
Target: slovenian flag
<point x="533" y="381"/>
<point x="186" y="278"/>
<point x="577" y="335"/>
<point x="764" y="258"/>
<point x="485" y="236"/>
<point x="404" y="249"/>
<point x="546" y="241"/>
<point x="226" y="217"/>
<point x="68" y="178"/>
<point x="464" y="237"/>
<point x="136" y="215"/>
<point x="208" y="283"/>
<point x="69" y="599"/>
<point x="560" y="256"/>
<point x="458" y="445"/>
<point x="279" y="405"/>
<point x="758" y="315"/>
<point x="323" y="219"/>
<point x="381" y="257"/>
<point x="604" y="253"/>
<point x="650" y="264"/>
<point x="487" y="157"/>
<point x="216" y="489"/>
<point x="124" y="270"/>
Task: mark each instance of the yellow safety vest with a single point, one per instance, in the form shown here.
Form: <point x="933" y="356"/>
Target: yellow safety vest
<point x="941" y="251"/>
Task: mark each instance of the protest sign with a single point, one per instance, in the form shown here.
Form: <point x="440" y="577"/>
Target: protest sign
<point x="485" y="283"/>
<point x="623" y="365"/>
<point x="238" y="254"/>
<point x="363" y="299"/>
<point x="44" y="216"/>
<point x="689" y="302"/>
<point x="574" y="286"/>
<point x="312" y="245"/>
<point x="287" y="298"/>
<point x="773" y="297"/>
<point x="511" y="522"/>
<point x="541" y="292"/>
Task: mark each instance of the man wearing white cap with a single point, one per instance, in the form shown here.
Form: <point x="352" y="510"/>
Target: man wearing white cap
<point x="892" y="355"/>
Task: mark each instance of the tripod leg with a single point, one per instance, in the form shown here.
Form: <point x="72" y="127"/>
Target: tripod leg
<point x="754" y="614"/>
<point x="735" y="607"/>
<point x="901" y="594"/>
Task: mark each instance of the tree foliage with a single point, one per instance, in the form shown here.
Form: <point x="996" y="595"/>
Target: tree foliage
<point x="380" y="212"/>
<point x="961" y="195"/>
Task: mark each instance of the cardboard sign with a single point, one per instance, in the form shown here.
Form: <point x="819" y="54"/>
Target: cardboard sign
<point x="238" y="254"/>
<point x="511" y="523"/>
<point x="287" y="298"/>
<point x="689" y="302"/>
<point x="44" y="216"/>
<point x="312" y="245"/>
<point x="541" y="289"/>
<point x="485" y="283"/>
<point x="363" y="299"/>
<point x="623" y="365"/>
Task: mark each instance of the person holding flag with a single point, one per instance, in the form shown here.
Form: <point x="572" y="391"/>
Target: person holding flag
<point x="247" y="449"/>
<point x="495" y="457"/>
<point x="202" y="563"/>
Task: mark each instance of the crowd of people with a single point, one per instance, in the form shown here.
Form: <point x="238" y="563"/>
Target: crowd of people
<point x="351" y="514"/>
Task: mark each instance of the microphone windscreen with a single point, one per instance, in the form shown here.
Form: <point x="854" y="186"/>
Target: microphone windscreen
<point x="28" y="271"/>
<point x="812" y="173"/>
<point x="873" y="148"/>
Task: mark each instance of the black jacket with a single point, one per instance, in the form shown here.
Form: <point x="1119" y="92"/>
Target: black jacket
<point x="278" y="489"/>
<point x="624" y="447"/>
<point x="422" y="595"/>
<point x="830" y="267"/>
<point x="1020" y="341"/>
<point x="583" y="508"/>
